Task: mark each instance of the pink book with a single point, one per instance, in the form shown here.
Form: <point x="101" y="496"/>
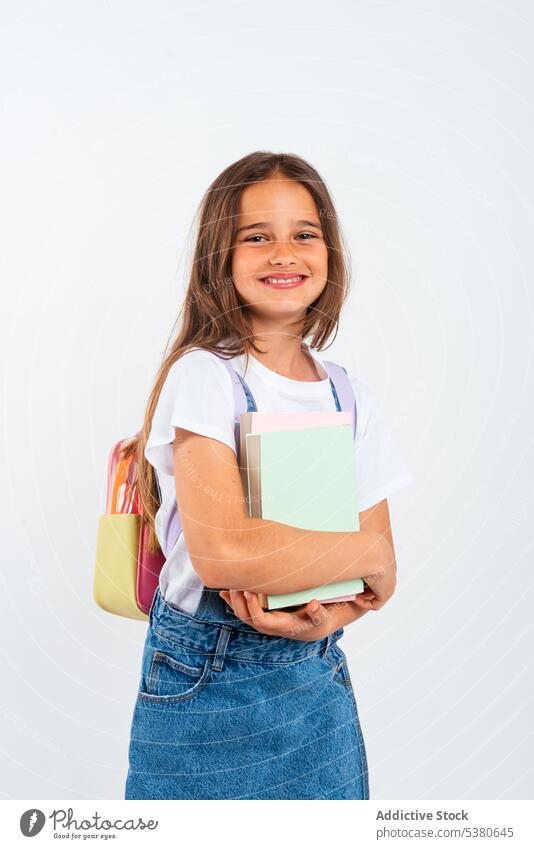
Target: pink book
<point x="262" y="422"/>
<point x="338" y="598"/>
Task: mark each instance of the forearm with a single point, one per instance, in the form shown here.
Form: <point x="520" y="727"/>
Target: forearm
<point x="274" y="558"/>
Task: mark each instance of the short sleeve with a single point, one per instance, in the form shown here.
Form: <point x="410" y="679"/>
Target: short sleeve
<point x="380" y="468"/>
<point x="197" y="395"/>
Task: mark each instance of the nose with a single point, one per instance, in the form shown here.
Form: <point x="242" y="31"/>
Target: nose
<point x="282" y="254"/>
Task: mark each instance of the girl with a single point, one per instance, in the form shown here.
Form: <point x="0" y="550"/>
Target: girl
<point x="235" y="702"/>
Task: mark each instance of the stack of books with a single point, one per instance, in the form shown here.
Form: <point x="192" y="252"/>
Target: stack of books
<point x="299" y="469"/>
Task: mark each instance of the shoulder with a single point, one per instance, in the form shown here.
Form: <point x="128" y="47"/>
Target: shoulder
<point x="196" y="395"/>
<point x="197" y="380"/>
<point x="364" y="404"/>
<point x="362" y="395"/>
<point x="198" y="358"/>
<point x="198" y="364"/>
<point x="360" y="388"/>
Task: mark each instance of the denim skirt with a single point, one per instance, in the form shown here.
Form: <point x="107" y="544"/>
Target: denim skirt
<point x="225" y="712"/>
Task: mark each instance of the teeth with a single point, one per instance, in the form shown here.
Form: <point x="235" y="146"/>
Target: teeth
<point x="286" y="280"/>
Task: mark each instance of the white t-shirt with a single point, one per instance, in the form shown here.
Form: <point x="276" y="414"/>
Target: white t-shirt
<point x="198" y="395"/>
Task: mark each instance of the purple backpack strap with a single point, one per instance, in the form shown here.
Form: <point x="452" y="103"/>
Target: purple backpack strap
<point x="240" y="400"/>
<point x="174" y="524"/>
<point x="345" y="392"/>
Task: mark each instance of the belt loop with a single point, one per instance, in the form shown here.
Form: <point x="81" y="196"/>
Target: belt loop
<point x="220" y="651"/>
<point x="327" y="644"/>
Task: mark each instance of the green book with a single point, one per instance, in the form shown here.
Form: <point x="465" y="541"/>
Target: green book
<point x="305" y="477"/>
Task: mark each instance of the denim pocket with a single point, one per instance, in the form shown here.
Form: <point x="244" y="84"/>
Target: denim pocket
<point x="172" y="679"/>
<point x="338" y="661"/>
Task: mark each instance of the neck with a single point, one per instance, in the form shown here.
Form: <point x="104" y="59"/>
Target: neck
<point x="285" y="353"/>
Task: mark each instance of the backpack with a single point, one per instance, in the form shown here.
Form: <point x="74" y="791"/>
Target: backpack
<point x="126" y="573"/>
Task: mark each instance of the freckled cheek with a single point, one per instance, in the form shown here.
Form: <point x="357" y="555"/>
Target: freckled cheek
<point x="316" y="260"/>
<point x="244" y="268"/>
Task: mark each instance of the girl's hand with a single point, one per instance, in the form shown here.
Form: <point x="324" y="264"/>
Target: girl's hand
<point x="366" y="600"/>
<point x="379" y="588"/>
<point x="311" y="621"/>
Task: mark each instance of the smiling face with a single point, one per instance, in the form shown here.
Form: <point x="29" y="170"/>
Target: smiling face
<point x="279" y="235"/>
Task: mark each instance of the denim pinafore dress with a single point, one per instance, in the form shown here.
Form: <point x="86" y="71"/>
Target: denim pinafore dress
<point x="226" y="712"/>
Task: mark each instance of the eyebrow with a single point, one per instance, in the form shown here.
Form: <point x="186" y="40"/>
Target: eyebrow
<point x="303" y="222"/>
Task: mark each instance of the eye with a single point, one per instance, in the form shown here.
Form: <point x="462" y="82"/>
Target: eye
<point x="258" y="236"/>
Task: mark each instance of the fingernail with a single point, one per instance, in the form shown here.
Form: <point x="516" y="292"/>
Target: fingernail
<point x="248" y="595"/>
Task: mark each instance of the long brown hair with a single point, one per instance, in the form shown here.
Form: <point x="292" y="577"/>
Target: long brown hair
<point x="212" y="315"/>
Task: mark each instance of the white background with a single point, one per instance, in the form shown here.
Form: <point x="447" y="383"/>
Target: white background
<point x="116" y="116"/>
